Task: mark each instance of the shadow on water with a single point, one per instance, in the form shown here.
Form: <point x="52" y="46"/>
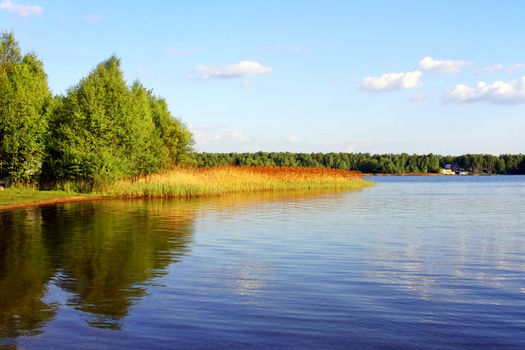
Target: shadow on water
<point x="101" y="255"/>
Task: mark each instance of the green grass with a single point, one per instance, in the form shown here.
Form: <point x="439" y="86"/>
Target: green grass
<point x="12" y="196"/>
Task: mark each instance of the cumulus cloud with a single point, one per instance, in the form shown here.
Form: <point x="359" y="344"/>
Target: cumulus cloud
<point x="497" y="92"/>
<point x="238" y="70"/>
<point x="21" y="9"/>
<point x="442" y="66"/>
<point x="392" y="81"/>
<point x="218" y="134"/>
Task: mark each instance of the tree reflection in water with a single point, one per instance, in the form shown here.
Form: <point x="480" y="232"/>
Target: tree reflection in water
<point x="25" y="271"/>
<point x="102" y="253"/>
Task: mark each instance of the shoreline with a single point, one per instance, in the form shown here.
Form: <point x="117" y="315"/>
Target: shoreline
<point x="407" y="174"/>
<point x="54" y="201"/>
<point x="435" y="174"/>
<point x="202" y="196"/>
<point x="187" y="183"/>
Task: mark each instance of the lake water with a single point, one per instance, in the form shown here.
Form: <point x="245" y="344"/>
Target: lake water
<point x="412" y="263"/>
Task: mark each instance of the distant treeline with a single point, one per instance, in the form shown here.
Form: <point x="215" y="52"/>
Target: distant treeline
<point x="101" y="129"/>
<point x="373" y="163"/>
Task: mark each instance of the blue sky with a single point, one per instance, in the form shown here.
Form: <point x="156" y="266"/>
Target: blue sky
<point x="445" y="77"/>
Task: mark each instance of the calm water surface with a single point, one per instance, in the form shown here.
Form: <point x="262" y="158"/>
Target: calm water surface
<point x="414" y="262"/>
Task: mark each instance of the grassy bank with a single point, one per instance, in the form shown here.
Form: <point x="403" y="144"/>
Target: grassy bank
<point x="15" y="196"/>
<point x="200" y="182"/>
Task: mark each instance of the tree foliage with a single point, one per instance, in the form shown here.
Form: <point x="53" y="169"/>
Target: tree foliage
<point x="176" y="137"/>
<point x="25" y="105"/>
<point x="103" y="129"/>
<point x="100" y="130"/>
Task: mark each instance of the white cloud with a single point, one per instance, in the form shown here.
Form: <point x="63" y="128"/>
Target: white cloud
<point x="293" y="139"/>
<point x="392" y="81"/>
<point x="236" y="135"/>
<point x="217" y="134"/>
<point x="518" y="67"/>
<point x="442" y="66"/>
<point x="511" y="68"/>
<point x="490" y="69"/>
<point x="20" y="9"/>
<point x="497" y="92"/>
<point x="238" y="70"/>
<point x="418" y="97"/>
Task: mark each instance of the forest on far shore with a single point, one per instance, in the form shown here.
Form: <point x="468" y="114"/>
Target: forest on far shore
<point x="373" y="163"/>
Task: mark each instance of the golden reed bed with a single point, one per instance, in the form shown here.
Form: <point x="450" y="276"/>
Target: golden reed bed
<point x="199" y="182"/>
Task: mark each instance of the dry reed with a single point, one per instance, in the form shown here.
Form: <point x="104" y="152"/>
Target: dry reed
<point x="199" y="182"/>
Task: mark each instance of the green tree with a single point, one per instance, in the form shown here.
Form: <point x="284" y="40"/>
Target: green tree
<point x="176" y="138"/>
<point x="25" y="103"/>
<point x="103" y="130"/>
<point x="145" y="151"/>
<point x="89" y="128"/>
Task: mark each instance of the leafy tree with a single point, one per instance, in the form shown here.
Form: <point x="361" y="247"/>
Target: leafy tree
<point x="146" y="147"/>
<point x="25" y="103"/>
<point x="176" y="138"/>
<point x="103" y="130"/>
<point x="89" y="129"/>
